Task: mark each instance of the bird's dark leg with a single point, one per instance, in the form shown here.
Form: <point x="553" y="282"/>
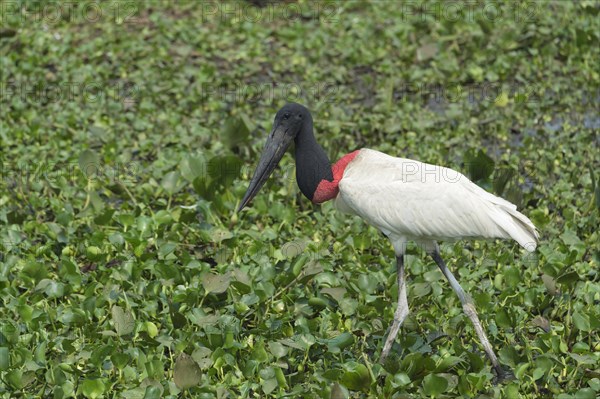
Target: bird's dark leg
<point x="470" y="311"/>
<point x="401" y="310"/>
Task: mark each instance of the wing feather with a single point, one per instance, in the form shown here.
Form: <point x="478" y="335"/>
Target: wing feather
<point x="423" y="201"/>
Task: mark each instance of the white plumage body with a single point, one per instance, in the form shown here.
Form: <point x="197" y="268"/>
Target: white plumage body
<point x="413" y="201"/>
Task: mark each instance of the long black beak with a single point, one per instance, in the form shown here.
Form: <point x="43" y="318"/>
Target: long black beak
<point x="277" y="143"/>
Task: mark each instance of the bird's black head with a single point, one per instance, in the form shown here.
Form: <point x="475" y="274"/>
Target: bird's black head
<point x="291" y="118"/>
<point x="289" y="122"/>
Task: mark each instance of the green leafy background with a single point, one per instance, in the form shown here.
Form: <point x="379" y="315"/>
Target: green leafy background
<point x="129" y="131"/>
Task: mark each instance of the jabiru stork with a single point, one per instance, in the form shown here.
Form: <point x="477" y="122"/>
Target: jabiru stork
<point x="407" y="200"/>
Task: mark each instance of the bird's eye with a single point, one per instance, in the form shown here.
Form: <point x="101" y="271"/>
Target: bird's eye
<point x="286" y="116"/>
<point x="299" y="116"/>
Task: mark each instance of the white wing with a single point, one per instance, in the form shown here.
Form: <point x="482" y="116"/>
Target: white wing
<point x="417" y="201"/>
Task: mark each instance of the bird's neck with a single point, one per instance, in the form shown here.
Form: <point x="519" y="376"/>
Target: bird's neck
<point x="312" y="163"/>
<point x="316" y="178"/>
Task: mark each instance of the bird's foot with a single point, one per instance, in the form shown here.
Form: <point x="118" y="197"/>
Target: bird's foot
<point x="383" y="357"/>
<point x="502" y="375"/>
<point x="390" y="362"/>
<point x="387" y="348"/>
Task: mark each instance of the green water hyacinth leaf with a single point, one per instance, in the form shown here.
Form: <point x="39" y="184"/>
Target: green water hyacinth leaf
<point x="338" y="392"/>
<point x="93" y="388"/>
<point x="434" y="385"/>
<point x="317" y="303"/>
<point x="337" y="344"/>
<point x="336" y="293"/>
<point x="401" y="379"/>
<point x="582" y="321"/>
<point x="89" y="164"/>
<point x="586" y="393"/>
<point x="260" y="354"/>
<point x="136" y="393"/>
<point x="570" y="238"/>
<point x="224" y="169"/>
<point x="311" y="269"/>
<point x="236" y="130"/>
<point x="34" y="271"/>
<point x="216" y="283"/>
<point x="272" y="377"/>
<point x="550" y="284"/>
<point x="568" y="278"/>
<point x="123" y="320"/>
<point x="51" y="288"/>
<point x="126" y="219"/>
<point x="280" y="377"/>
<point x="479" y="165"/>
<point x="93" y="253"/>
<point x="151" y="329"/>
<point x="186" y="373"/>
<point x="15" y="379"/>
<point x="277" y="349"/>
<point x="193" y="166"/>
<point x="356" y="377"/>
<point x="166" y="250"/>
<point x="120" y="360"/>
<point x="595" y="188"/>
<point x="171" y="182"/>
<point x="447" y="363"/>
<point x="163" y="217"/>
<point x="220" y="234"/>
<point x="4" y="358"/>
<point x="9" y="333"/>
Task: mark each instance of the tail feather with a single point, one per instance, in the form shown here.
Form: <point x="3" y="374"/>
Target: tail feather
<point x="514" y="224"/>
<point x="521" y="229"/>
